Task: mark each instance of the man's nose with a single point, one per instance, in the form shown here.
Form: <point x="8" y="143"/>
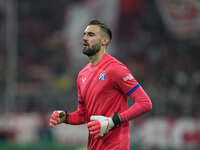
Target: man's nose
<point x="85" y="37"/>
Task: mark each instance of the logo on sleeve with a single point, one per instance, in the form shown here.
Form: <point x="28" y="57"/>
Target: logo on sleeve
<point x="128" y="77"/>
<point x="102" y="76"/>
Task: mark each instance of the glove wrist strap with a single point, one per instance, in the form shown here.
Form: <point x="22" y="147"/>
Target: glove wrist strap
<point x="66" y="118"/>
<point x="116" y="119"/>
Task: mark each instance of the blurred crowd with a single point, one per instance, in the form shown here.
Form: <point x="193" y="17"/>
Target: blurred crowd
<point x="49" y="54"/>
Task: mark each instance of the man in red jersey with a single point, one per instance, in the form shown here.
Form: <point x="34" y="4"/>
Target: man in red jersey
<point x="104" y="85"/>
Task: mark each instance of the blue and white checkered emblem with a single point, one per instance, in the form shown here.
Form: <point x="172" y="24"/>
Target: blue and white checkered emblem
<point x="102" y="76"/>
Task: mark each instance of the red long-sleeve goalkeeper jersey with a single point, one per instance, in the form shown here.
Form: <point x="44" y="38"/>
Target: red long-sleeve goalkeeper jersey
<point x="102" y="90"/>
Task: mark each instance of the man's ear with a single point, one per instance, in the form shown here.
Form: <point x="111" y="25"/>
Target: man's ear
<point x="106" y="41"/>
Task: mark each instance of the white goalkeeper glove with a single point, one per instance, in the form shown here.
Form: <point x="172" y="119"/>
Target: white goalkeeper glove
<point x="57" y="117"/>
<point x="99" y="125"/>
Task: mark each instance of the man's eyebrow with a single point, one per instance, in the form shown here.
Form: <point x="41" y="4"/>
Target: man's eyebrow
<point x="89" y="33"/>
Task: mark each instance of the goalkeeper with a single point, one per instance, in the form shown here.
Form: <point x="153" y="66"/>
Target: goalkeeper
<point x="104" y="85"/>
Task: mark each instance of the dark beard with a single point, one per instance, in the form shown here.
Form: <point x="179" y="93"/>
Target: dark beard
<point x="91" y="51"/>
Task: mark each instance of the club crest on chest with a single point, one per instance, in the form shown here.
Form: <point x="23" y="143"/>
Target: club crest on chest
<point x="102" y="76"/>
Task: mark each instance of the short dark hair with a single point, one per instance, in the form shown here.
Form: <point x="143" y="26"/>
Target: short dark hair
<point x="103" y="26"/>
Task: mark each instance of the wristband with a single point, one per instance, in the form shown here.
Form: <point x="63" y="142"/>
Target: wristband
<point x="117" y="119"/>
<point x="64" y="114"/>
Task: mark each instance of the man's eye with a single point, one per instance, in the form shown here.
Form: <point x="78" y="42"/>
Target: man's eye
<point x="91" y="34"/>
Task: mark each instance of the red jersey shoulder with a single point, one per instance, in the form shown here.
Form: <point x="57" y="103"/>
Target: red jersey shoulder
<point x="113" y="59"/>
<point x="117" y="66"/>
<point x="119" y="71"/>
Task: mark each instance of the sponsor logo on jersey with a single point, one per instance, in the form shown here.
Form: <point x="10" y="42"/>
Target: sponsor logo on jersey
<point x="83" y="79"/>
<point x="102" y="76"/>
<point x="128" y="77"/>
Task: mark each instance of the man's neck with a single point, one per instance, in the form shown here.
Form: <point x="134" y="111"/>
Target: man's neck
<point x="96" y="58"/>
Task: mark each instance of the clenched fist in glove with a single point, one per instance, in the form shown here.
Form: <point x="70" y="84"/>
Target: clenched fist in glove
<point x="57" y="117"/>
<point x="99" y="125"/>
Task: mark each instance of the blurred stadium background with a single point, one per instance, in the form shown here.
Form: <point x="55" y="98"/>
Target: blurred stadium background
<point x="40" y="56"/>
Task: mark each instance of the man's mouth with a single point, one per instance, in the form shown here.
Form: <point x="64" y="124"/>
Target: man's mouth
<point x="85" y="44"/>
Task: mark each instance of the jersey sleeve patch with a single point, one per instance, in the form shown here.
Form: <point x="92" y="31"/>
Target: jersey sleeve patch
<point x="133" y="89"/>
<point x="128" y="77"/>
